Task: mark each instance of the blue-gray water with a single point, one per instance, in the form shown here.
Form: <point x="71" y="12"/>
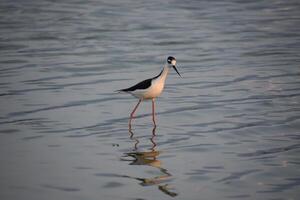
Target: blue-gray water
<point x="229" y="129"/>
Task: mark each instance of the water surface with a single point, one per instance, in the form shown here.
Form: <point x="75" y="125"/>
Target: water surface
<point x="229" y="129"/>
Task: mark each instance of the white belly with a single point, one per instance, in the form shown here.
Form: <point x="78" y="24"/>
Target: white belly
<point x="156" y="88"/>
<point x="153" y="91"/>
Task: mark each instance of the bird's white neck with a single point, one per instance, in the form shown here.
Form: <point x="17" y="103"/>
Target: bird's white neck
<point x="164" y="73"/>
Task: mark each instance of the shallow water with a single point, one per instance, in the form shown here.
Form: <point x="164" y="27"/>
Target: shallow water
<point x="229" y="129"/>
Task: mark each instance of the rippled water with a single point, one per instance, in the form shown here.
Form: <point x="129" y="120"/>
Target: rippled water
<point x="229" y="129"/>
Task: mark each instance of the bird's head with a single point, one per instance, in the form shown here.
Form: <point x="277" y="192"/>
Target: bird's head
<point x="171" y="62"/>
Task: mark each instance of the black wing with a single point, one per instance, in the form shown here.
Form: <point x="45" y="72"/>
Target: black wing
<point x="140" y="86"/>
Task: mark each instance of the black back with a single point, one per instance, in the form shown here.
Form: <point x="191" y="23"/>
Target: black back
<point x="141" y="85"/>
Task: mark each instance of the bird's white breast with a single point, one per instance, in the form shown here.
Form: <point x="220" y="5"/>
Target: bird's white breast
<point x="157" y="85"/>
<point x="156" y="88"/>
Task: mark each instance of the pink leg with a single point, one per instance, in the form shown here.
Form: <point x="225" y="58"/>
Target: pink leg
<point x="153" y="112"/>
<point x="132" y="113"/>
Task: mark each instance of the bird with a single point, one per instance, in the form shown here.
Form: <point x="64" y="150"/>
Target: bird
<point x="151" y="88"/>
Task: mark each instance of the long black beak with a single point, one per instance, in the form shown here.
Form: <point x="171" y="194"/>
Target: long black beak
<point x="176" y="70"/>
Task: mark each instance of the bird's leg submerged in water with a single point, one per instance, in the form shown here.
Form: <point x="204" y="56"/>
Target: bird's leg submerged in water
<point x="131" y="115"/>
<point x="153" y="112"/>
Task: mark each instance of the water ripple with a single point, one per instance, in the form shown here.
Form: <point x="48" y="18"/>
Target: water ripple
<point x="64" y="188"/>
<point x="270" y="151"/>
<point x="67" y="105"/>
<point x="238" y="175"/>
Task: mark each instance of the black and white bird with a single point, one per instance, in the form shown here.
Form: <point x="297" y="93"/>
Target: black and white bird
<point x="151" y="88"/>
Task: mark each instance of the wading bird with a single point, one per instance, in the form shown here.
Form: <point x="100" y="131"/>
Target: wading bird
<point x="151" y="88"/>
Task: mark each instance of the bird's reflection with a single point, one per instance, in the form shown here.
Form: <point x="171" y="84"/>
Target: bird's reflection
<point x="149" y="158"/>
